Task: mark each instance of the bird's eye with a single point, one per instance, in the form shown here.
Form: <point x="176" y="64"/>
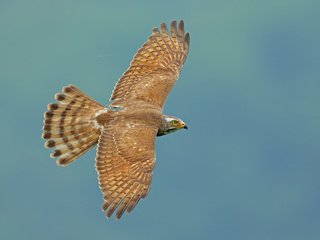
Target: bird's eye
<point x="174" y="122"/>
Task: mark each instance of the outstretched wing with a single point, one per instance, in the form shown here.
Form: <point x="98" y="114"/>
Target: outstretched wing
<point x="125" y="161"/>
<point x="155" y="67"/>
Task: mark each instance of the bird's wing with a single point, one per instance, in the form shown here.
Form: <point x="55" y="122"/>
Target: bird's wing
<point x="125" y="161"/>
<point x="155" y="68"/>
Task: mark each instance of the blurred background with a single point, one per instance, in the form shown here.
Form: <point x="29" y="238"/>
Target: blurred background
<point x="247" y="168"/>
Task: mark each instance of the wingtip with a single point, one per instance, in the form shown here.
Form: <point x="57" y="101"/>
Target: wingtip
<point x="105" y="214"/>
<point x="187" y="37"/>
<point x="181" y="25"/>
<point x="119" y="215"/>
<point x="163" y="27"/>
<point x="173" y="24"/>
<point x="155" y="30"/>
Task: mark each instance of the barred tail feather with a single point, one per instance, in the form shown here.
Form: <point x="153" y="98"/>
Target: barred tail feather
<point x="69" y="125"/>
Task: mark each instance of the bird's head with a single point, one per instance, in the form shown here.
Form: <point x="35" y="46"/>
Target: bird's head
<point x="171" y="124"/>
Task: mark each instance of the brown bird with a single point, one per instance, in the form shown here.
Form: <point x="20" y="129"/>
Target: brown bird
<point x="126" y="130"/>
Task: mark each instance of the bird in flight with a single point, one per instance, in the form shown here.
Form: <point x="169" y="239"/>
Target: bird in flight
<point x="126" y="130"/>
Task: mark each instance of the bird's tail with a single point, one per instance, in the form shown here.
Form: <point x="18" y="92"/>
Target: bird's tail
<point x="69" y="125"/>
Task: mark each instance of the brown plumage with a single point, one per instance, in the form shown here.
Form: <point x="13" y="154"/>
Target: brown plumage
<point x="68" y="125"/>
<point x="126" y="131"/>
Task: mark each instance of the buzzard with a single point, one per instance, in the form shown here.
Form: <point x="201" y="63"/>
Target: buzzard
<point x="126" y="130"/>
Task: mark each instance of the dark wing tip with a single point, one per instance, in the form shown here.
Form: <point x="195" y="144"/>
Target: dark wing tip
<point x="187" y="41"/>
<point x="174" y="23"/>
<point x="181" y="26"/>
<point x="163" y="28"/>
<point x="155" y="30"/>
<point x="174" y="27"/>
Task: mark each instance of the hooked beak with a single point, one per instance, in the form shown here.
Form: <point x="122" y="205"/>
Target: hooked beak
<point x="185" y="127"/>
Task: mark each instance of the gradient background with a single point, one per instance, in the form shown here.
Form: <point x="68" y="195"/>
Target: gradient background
<point x="247" y="168"/>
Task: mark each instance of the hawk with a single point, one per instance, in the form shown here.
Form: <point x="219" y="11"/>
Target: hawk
<point x="126" y="130"/>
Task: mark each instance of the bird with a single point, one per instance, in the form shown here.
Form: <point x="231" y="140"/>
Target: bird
<point x="125" y="131"/>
